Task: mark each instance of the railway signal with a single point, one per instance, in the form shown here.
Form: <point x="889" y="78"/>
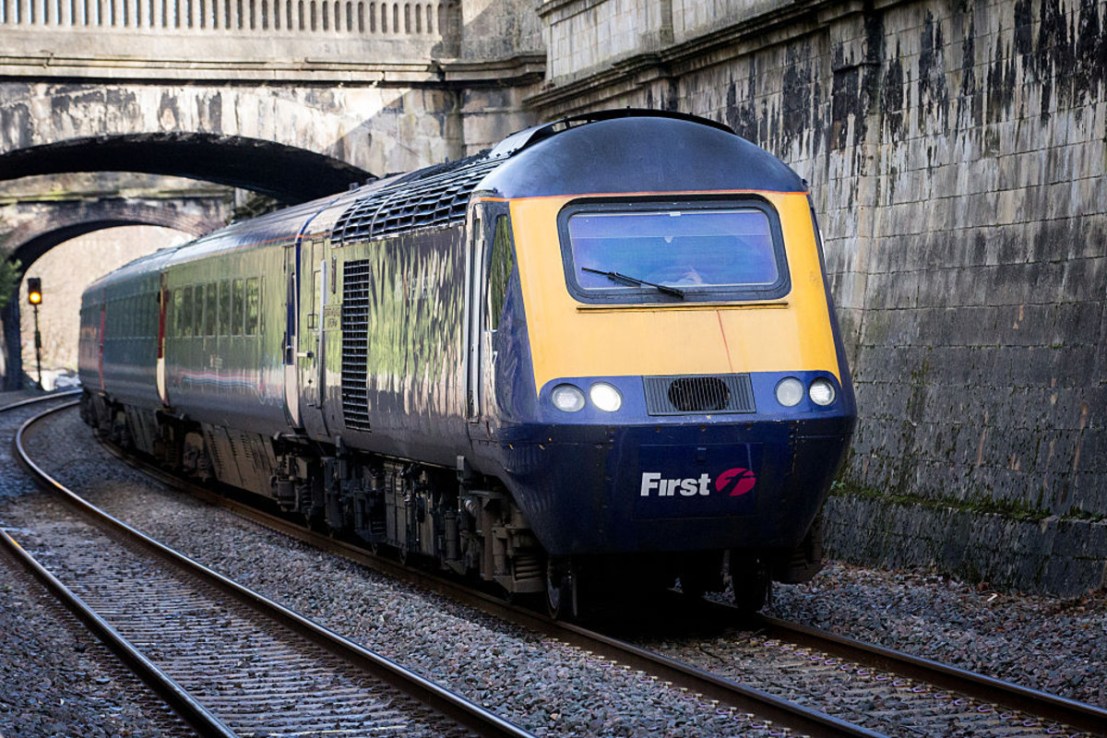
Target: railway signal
<point x="34" y="290"/>
<point x="34" y="296"/>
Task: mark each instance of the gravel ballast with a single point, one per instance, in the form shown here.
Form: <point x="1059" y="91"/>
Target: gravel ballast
<point x="548" y="688"/>
<point x="56" y="678"/>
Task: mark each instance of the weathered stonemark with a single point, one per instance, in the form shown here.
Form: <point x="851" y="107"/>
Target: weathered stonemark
<point x="956" y="154"/>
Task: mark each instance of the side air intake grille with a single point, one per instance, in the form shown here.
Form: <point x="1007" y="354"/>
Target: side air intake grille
<point x="429" y="197"/>
<point x="728" y="393"/>
<point x="355" y="344"/>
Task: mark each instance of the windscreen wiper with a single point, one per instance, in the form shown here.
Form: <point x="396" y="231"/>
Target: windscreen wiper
<point x="618" y="277"/>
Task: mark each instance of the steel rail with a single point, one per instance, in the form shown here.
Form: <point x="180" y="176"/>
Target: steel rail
<point x="35" y="400"/>
<point x="166" y="688"/>
<point x="1088" y="718"/>
<point x="425" y="691"/>
<point x="186" y="706"/>
<point x="1085" y="717"/>
<point x="762" y="705"/>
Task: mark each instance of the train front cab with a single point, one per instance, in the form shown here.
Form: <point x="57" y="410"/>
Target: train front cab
<point x="689" y="396"/>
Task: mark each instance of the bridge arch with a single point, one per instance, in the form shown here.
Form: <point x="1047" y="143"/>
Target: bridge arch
<point x="287" y="173"/>
<point x="65" y="221"/>
<point x="292" y="142"/>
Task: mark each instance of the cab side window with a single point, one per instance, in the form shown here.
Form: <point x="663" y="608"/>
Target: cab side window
<point x="501" y="263"/>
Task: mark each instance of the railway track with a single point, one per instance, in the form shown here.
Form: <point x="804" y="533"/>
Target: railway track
<point x="923" y="697"/>
<point x="888" y="691"/>
<point x="807" y="681"/>
<point x="228" y="660"/>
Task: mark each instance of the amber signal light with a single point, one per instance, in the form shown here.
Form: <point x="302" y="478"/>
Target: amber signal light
<point x="34" y="290"/>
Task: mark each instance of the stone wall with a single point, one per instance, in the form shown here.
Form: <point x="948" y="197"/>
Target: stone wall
<point x="956" y="153"/>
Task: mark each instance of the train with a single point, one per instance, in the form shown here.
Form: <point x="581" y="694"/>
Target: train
<point x="601" y="356"/>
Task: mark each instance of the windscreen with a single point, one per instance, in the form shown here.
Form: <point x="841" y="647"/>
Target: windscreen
<point x="695" y="251"/>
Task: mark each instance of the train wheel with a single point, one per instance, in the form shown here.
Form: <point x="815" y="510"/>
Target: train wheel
<point x="561" y="591"/>
<point x="692" y="586"/>
<point x="751" y="582"/>
<point x="700" y="573"/>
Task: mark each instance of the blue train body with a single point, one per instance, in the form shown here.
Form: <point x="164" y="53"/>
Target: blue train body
<point x="604" y="350"/>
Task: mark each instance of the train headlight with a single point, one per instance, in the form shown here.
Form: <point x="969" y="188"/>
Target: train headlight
<point x="789" y="392"/>
<point x="567" y="398"/>
<point x="606" y="397"/>
<point x="821" y="392"/>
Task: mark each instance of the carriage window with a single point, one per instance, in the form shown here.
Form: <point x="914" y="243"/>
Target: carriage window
<point x="651" y="252"/>
<point x="197" y="310"/>
<point x="253" y="306"/>
<point x="176" y="302"/>
<point x="185" y="318"/>
<point x="238" y="307"/>
<point x="210" y="311"/>
<point x="225" y="308"/>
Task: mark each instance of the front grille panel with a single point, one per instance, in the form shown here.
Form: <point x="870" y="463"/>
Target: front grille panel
<point x="698" y="395"/>
<point x="355" y="344"/>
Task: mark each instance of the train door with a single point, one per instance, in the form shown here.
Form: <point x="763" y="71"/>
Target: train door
<point x="489" y="265"/>
<point x="291" y="339"/>
<point x="160" y="370"/>
<point x="311" y="352"/>
<point x="474" y="313"/>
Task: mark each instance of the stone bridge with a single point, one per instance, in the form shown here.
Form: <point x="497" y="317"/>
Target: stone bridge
<point x="253" y="92"/>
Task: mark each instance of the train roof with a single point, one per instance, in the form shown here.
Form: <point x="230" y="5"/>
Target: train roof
<point x="637" y="151"/>
<point x="613" y="152"/>
<point x="130" y="274"/>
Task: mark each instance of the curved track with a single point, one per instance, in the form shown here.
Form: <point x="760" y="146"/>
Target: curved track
<point x="855" y="688"/>
<point x="929" y="696"/>
<point x="227" y="659"/>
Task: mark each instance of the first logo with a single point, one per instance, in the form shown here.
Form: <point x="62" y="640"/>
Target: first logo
<point x="737" y="481"/>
